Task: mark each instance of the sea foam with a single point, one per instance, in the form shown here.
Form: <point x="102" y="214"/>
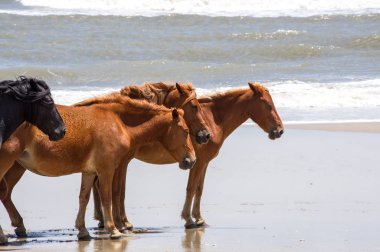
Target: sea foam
<point x="286" y="94"/>
<point x="296" y="101"/>
<point x="257" y="8"/>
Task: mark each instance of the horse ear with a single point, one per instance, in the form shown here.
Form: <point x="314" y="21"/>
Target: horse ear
<point x="255" y="88"/>
<point x="175" y="113"/>
<point x="179" y="88"/>
<point x="34" y="83"/>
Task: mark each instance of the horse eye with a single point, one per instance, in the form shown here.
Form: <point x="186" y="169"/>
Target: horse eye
<point x="195" y="107"/>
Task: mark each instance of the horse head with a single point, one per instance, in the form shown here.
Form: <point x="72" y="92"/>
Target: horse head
<point x="41" y="110"/>
<point x="263" y="112"/>
<point x="186" y="99"/>
<point x="177" y="141"/>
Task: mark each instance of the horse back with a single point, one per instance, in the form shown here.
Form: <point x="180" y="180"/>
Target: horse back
<point x="91" y="134"/>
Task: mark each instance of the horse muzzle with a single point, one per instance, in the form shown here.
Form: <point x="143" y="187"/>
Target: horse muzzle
<point x="187" y="163"/>
<point x="58" y="134"/>
<point x="276" y="133"/>
<point x="203" y="136"/>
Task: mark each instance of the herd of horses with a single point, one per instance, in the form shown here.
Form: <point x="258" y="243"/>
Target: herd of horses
<point x="157" y="123"/>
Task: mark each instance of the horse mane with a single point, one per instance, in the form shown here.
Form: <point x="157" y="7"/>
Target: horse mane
<point x="136" y="106"/>
<point x="155" y="92"/>
<point x="27" y="90"/>
<point x="220" y="94"/>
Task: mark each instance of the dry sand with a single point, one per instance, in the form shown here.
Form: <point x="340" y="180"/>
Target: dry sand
<point x="311" y="190"/>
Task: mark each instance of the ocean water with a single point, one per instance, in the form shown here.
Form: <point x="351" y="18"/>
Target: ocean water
<point x="319" y="59"/>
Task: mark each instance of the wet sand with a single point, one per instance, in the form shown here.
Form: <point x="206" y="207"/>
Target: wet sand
<point x="312" y="190"/>
<point x="356" y="126"/>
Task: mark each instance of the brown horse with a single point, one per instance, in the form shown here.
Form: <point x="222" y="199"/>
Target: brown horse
<point x="99" y="141"/>
<point x="119" y="184"/>
<point x="224" y="113"/>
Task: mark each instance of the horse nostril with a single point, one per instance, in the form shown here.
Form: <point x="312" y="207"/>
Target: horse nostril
<point x="187" y="161"/>
<point x="208" y="136"/>
<point x="281" y="132"/>
<point x="61" y="132"/>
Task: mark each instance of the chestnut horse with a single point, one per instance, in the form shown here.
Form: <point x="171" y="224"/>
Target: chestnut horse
<point x="224" y="112"/>
<point x="119" y="184"/>
<point x="99" y="141"/>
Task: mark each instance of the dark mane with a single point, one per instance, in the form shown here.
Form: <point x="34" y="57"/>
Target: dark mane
<point x="27" y="90"/>
<point x="137" y="106"/>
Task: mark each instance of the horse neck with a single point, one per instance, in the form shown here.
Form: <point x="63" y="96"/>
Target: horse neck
<point x="143" y="128"/>
<point x="150" y="131"/>
<point x="230" y="111"/>
<point x="12" y="115"/>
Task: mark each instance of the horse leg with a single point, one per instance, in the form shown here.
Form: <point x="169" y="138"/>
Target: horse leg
<point x="12" y="177"/>
<point x="3" y="188"/>
<point x="126" y="223"/>
<point x="196" y="212"/>
<point x="116" y="196"/>
<point x="192" y="183"/>
<point x="98" y="214"/>
<point x="105" y="190"/>
<point x="84" y="196"/>
<point x="9" y="152"/>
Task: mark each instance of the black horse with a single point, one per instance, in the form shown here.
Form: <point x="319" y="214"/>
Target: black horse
<point x="28" y="99"/>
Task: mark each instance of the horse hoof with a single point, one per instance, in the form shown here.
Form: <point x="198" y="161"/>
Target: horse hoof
<point x="122" y="229"/>
<point x="101" y="224"/>
<point x="20" y="233"/>
<point x="201" y="223"/>
<point x="3" y="240"/>
<point x="116" y="235"/>
<point x="84" y="237"/>
<point x="128" y="226"/>
<point x="190" y="226"/>
<point x="127" y="232"/>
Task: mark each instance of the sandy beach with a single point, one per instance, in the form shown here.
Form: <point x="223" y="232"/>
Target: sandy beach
<point x="315" y="189"/>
